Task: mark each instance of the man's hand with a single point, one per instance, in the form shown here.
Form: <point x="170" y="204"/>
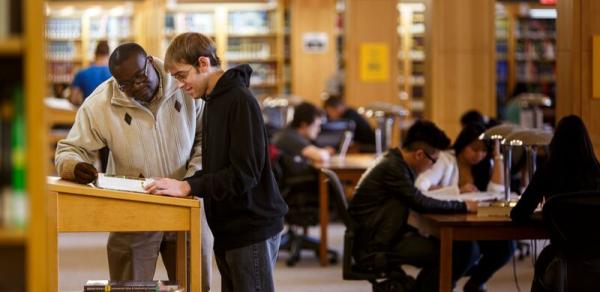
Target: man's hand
<point x="85" y="173"/>
<point x="169" y="187"/>
<point x="471" y="206"/>
<point x="468" y="188"/>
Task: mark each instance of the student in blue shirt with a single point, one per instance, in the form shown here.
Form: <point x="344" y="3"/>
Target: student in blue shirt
<point x="88" y="79"/>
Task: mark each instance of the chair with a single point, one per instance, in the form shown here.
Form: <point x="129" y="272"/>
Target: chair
<point x="372" y="267"/>
<point x="298" y="184"/>
<point x="571" y="219"/>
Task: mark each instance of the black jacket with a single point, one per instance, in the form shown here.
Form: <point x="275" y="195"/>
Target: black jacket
<point x="241" y="198"/>
<point x="391" y="179"/>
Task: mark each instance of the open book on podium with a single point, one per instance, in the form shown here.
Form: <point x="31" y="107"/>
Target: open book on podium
<point x="122" y="183"/>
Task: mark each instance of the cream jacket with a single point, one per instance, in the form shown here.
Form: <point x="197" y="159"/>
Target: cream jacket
<point x="141" y="144"/>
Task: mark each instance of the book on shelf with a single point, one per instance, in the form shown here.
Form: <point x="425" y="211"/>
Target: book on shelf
<point x="4" y="19"/>
<point x="131" y="286"/>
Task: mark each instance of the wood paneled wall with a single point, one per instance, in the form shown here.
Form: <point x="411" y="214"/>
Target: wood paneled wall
<point x="310" y="71"/>
<point x="577" y="23"/>
<point x="370" y="21"/>
<point x="460" y="54"/>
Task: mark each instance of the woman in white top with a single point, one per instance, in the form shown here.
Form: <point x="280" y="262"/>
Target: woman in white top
<point x="473" y="165"/>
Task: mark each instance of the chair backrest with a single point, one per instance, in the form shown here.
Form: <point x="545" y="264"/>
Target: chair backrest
<point x="572" y="219"/>
<point x="337" y="192"/>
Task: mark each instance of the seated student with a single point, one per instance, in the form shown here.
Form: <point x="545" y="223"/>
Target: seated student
<point x="295" y="140"/>
<point x="337" y="109"/>
<point x="571" y="167"/>
<point x="384" y="197"/>
<point x="470" y="167"/>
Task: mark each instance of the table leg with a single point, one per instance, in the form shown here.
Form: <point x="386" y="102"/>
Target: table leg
<point x="52" y="242"/>
<point x="324" y="216"/>
<point x="195" y="246"/>
<point x="446" y="259"/>
<point x="181" y="270"/>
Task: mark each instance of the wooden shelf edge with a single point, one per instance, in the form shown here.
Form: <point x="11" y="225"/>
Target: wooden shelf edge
<point x="11" y="46"/>
<point x="12" y="236"/>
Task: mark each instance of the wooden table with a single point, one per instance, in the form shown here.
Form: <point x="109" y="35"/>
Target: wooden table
<point x="348" y="170"/>
<point x="80" y="208"/>
<point x="450" y="227"/>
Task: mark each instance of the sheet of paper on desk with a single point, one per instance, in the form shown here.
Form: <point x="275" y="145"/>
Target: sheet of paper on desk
<point x="122" y="183"/>
<point x="452" y="194"/>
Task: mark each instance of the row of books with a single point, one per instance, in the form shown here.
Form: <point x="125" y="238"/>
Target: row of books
<point x="110" y="27"/>
<point x="61" y="72"/>
<point x="247" y="49"/>
<point x="202" y="22"/>
<point x="13" y="199"/>
<point x="63" y="28"/>
<point x="10" y="25"/>
<point x="131" y="286"/>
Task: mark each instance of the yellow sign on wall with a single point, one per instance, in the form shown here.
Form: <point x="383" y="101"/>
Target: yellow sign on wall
<point x="596" y="67"/>
<point x="374" y="62"/>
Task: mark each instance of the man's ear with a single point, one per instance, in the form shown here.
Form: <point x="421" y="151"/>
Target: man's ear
<point x="203" y="63"/>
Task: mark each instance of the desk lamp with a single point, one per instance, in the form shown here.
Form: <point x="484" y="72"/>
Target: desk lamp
<point x="500" y="132"/>
<point x="385" y="114"/>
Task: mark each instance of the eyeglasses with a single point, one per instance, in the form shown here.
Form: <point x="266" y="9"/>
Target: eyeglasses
<point x="433" y="160"/>
<point x="138" y="79"/>
<point x="181" y="76"/>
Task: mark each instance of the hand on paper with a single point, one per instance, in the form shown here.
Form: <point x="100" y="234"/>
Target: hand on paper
<point x="168" y="187"/>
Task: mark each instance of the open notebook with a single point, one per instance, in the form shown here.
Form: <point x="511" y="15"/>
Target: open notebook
<point x="122" y="183"/>
<point x="452" y="193"/>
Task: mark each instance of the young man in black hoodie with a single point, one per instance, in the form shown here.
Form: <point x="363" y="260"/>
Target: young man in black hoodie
<point x="242" y="202"/>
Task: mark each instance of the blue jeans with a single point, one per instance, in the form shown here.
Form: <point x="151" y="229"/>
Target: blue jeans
<point x="249" y="268"/>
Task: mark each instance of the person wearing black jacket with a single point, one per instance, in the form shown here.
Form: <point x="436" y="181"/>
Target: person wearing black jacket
<point x="243" y="205"/>
<point x="572" y="166"/>
<point x="336" y="109"/>
<point x="386" y="194"/>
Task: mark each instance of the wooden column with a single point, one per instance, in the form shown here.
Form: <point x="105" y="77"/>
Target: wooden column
<point x="370" y="22"/>
<point x="310" y="71"/>
<point x="577" y="23"/>
<point x="460" y="58"/>
<point x="149" y="21"/>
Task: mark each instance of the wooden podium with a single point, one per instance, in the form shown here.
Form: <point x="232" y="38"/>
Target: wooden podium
<point x="80" y="208"/>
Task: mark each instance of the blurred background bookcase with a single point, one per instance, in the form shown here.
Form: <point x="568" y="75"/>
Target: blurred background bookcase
<point x="525" y="53"/>
<point x="251" y="33"/>
<point x="411" y="55"/>
<point x="23" y="205"/>
<point x="73" y="29"/>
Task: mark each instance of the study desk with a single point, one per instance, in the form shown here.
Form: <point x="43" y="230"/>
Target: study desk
<point x="450" y="227"/>
<point x="349" y="170"/>
<point x="80" y="208"/>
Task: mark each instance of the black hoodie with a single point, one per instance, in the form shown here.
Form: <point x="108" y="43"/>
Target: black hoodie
<point x="241" y="198"/>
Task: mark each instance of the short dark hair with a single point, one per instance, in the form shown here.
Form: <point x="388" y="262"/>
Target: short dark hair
<point x="187" y="47"/>
<point x="425" y="132"/>
<point x="472" y="117"/>
<point x="304" y="113"/>
<point x="124" y="52"/>
<point x="102" y="49"/>
<point x="333" y="101"/>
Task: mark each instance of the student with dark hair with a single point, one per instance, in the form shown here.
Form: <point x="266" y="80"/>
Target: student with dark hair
<point x="473" y="165"/>
<point x="386" y="194"/>
<point x="296" y="139"/>
<point x="336" y="109"/>
<point x="572" y="166"/>
<point x="87" y="80"/>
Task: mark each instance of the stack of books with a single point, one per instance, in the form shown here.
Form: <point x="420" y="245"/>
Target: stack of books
<point x="131" y="286"/>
